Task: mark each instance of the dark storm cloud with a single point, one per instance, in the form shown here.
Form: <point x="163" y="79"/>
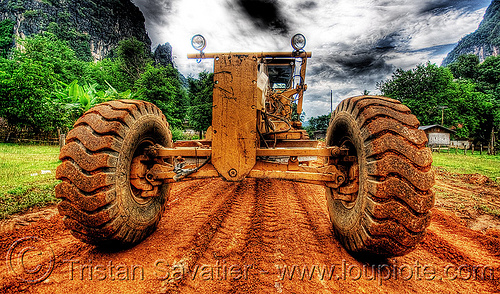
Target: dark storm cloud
<point x="366" y="62"/>
<point x="307" y="5"/>
<point x="438" y="50"/>
<point x="265" y="14"/>
<point x="367" y="67"/>
<point x="362" y="63"/>
<point x="388" y="43"/>
<point x="325" y="71"/>
<point x="442" y="6"/>
<point x="155" y="11"/>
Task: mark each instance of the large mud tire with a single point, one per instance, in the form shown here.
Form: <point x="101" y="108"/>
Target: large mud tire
<point x="99" y="205"/>
<point x="389" y="212"/>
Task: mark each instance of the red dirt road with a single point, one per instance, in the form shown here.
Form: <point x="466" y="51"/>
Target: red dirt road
<point x="258" y="236"/>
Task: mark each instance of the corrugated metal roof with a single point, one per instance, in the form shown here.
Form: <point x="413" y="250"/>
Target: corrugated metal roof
<point x="433" y="126"/>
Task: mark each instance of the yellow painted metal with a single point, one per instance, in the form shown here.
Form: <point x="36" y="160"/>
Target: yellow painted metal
<point x="257" y="54"/>
<point x="288" y="151"/>
<point x="326" y="175"/>
<point x="291" y="175"/>
<point x="166" y="173"/>
<point x="234" y="116"/>
<point x="301" y="93"/>
<point x="293" y="143"/>
<point x="290" y="135"/>
<point x="295" y="152"/>
<point x="184" y="152"/>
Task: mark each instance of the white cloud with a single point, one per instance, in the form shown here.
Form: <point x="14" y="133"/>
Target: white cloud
<point x="361" y="41"/>
<point x="443" y="29"/>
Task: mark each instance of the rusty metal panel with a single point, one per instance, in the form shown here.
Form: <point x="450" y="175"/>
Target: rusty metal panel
<point x="234" y="119"/>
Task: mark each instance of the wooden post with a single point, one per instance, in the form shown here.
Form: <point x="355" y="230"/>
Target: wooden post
<point x="465" y="149"/>
<point x="472" y="149"/>
<point x="62" y="141"/>
<point x="493" y="141"/>
<point x="491" y="144"/>
<point x="481" y="149"/>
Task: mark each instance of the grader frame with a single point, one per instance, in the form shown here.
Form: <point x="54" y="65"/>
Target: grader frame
<point x="119" y="161"/>
<point x="235" y="150"/>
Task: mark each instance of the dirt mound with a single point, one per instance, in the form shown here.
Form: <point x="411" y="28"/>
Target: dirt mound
<point x="476" y="179"/>
<point x="16" y="222"/>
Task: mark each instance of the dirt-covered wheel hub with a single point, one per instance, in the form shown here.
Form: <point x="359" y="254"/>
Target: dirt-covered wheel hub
<point x="348" y="191"/>
<point x="142" y="187"/>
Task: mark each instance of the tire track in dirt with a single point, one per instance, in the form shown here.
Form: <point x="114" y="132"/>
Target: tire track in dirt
<point x="268" y="226"/>
<point x="280" y="230"/>
<point x="224" y="252"/>
<point x="243" y="240"/>
<point x="259" y="226"/>
<point x="317" y="219"/>
<point x="265" y="243"/>
<point x="185" y="191"/>
<point x="206" y="223"/>
<point x="187" y="222"/>
<point x="449" y="240"/>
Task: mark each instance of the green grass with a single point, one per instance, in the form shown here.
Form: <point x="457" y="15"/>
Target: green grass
<point x="487" y="165"/>
<point x="22" y="184"/>
<point x="21" y="189"/>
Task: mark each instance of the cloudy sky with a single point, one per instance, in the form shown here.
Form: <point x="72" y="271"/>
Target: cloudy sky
<point x="355" y="43"/>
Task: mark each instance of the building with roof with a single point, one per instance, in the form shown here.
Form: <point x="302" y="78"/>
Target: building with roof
<point x="437" y="134"/>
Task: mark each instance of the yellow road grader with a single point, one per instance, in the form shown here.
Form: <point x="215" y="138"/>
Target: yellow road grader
<point x="119" y="161"/>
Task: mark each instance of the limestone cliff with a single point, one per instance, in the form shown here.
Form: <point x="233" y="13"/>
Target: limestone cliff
<point x="93" y="28"/>
<point x="485" y="41"/>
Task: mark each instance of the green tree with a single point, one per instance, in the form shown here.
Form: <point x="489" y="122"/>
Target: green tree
<point x="132" y="57"/>
<point x="6" y="37"/>
<point x="25" y="92"/>
<point x="318" y="123"/>
<point x="107" y="70"/>
<point x="425" y="88"/>
<point x="200" y="97"/>
<point x="421" y="89"/>
<point x="466" y="67"/>
<point x="123" y="68"/>
<point x="32" y="77"/>
<point x="47" y="49"/>
<point x="162" y="86"/>
<point x="486" y="78"/>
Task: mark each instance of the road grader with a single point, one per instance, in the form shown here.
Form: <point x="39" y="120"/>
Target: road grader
<point x="119" y="161"/>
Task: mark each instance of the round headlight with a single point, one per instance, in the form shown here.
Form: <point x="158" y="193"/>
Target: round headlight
<point x="198" y="42"/>
<point x="298" y="42"/>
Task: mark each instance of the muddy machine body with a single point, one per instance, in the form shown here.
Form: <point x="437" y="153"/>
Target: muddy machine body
<point x="120" y="160"/>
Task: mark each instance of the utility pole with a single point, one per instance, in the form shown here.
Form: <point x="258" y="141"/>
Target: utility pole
<point x="492" y="149"/>
<point x="331" y="101"/>
<point x="442" y="113"/>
